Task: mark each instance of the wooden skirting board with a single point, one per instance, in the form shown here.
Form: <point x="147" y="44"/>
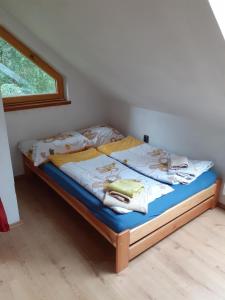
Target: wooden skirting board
<point x="221" y="205"/>
<point x="15" y="225"/>
<point x="130" y="243"/>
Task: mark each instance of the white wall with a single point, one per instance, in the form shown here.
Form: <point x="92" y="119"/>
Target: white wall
<point x="185" y="136"/>
<point x="7" y="189"/>
<point x="165" y="55"/>
<point x="87" y="102"/>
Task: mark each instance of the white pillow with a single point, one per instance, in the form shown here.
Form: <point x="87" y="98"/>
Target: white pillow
<point x="39" y="150"/>
<point x="101" y="134"/>
<point x="26" y="147"/>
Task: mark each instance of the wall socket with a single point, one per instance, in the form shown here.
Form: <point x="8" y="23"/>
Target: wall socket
<point x="146" y="138"/>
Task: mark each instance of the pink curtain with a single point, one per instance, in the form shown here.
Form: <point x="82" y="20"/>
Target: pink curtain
<point x="4" y="226"/>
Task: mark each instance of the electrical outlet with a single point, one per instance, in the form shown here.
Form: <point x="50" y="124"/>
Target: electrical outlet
<point x="146" y="138"/>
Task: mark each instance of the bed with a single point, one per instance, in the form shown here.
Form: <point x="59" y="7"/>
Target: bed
<point x="133" y="233"/>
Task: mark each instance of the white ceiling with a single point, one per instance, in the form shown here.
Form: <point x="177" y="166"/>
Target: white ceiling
<point x="165" y="55"/>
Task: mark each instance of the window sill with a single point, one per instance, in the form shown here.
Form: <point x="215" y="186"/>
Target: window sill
<point x="35" y="104"/>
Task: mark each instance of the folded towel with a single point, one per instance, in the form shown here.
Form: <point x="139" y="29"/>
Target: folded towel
<point x="128" y="187"/>
<point x="137" y="203"/>
<point x="194" y="169"/>
<point x="120" y="197"/>
<point x="178" y="162"/>
<point x="182" y="176"/>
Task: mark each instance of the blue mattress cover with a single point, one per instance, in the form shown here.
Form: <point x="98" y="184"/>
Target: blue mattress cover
<point x="120" y="222"/>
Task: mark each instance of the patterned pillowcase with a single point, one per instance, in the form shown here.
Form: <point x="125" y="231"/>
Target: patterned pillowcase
<point x="102" y="134"/>
<point x="66" y="142"/>
<point x="26" y="147"/>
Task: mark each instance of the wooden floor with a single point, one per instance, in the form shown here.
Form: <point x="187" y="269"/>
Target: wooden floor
<point x="55" y="255"/>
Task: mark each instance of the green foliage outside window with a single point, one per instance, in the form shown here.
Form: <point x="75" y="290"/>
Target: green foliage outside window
<point x="20" y="76"/>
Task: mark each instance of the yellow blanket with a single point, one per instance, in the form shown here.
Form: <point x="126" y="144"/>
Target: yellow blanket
<point x="124" y="144"/>
<point x="128" y="187"/>
<point x="60" y="159"/>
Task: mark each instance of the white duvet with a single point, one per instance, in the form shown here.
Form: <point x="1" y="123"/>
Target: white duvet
<point x="153" y="162"/>
<point x="94" y="173"/>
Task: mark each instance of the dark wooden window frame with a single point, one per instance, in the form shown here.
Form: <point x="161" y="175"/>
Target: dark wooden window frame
<point x="33" y="101"/>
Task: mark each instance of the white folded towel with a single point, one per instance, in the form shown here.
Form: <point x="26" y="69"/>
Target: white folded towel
<point x="137" y="203"/>
<point x="195" y="168"/>
<point x="182" y="176"/>
<point x="178" y="162"/>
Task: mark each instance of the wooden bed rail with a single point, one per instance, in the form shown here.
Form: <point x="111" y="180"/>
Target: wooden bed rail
<point x="159" y="234"/>
<point x="130" y="243"/>
<point x="171" y="214"/>
<point x="104" y="230"/>
<point x="144" y="237"/>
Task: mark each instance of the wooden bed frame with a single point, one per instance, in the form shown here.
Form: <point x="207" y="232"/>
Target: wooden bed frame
<point x="130" y="243"/>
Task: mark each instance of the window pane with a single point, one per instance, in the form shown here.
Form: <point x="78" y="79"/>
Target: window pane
<point x="19" y="76"/>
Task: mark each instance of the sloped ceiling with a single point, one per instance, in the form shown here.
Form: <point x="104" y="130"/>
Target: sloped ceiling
<point x="165" y="55"/>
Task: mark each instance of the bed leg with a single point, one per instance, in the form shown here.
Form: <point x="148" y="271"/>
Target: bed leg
<point x="122" y="250"/>
<point x="217" y="193"/>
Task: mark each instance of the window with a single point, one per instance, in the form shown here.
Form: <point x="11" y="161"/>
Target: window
<point x="218" y="8"/>
<point x="26" y="81"/>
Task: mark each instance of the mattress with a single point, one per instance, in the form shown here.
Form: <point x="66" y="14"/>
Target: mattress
<point x="121" y="222"/>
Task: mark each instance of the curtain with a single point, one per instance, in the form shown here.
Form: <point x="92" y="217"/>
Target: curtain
<point x="4" y="226"/>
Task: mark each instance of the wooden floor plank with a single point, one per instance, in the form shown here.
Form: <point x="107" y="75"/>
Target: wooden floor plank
<point x="55" y="255"/>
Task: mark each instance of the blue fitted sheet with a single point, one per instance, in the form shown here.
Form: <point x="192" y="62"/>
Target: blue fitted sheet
<point x="118" y="222"/>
